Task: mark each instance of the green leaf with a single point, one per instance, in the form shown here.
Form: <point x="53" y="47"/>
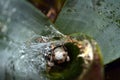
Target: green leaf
<point x="21" y="19"/>
<point x="20" y="22"/>
<point x="97" y="18"/>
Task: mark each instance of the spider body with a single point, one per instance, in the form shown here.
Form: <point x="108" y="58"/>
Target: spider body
<point x="58" y="55"/>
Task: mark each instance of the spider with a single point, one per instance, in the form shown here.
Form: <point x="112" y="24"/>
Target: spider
<point x="58" y="56"/>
